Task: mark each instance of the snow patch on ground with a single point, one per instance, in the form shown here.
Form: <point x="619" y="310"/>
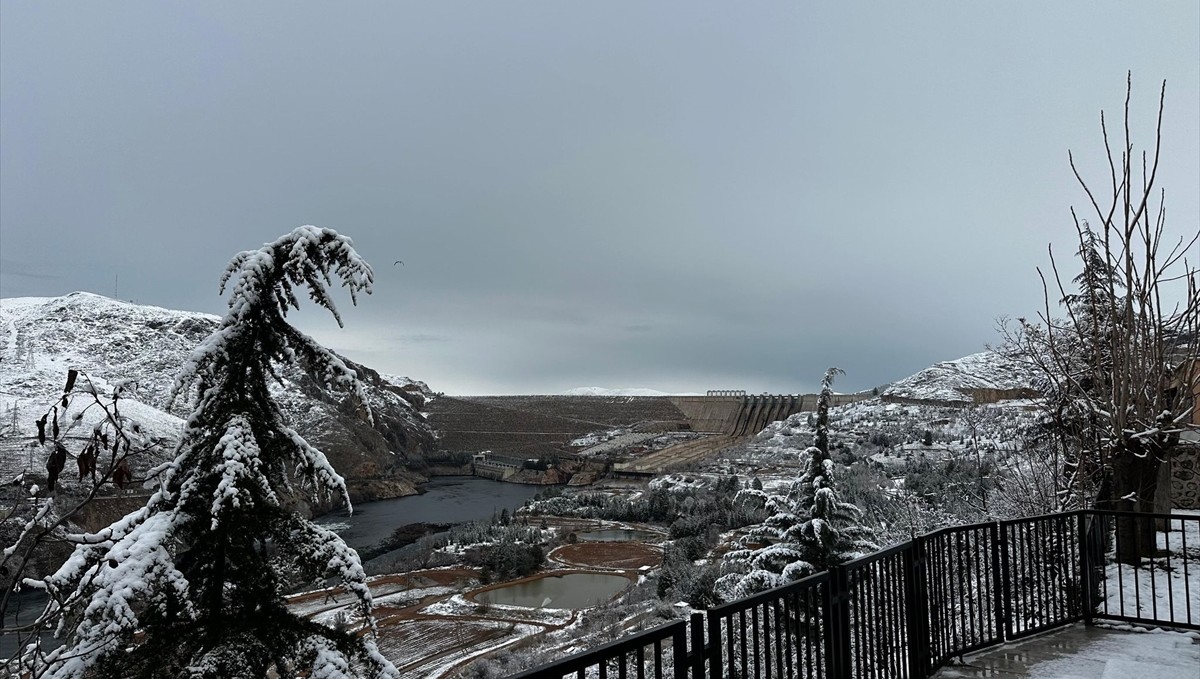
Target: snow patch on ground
<point x="1167" y="588"/>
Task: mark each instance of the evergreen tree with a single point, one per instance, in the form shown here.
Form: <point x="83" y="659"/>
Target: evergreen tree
<point x="199" y="573"/>
<point x="809" y="530"/>
<point x="832" y="533"/>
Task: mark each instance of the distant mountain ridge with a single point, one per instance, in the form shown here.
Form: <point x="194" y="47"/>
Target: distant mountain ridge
<point x="114" y="341"/>
<point x="602" y="391"/>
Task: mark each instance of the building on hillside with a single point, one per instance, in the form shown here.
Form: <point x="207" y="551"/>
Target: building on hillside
<point x="1183" y="469"/>
<point x="500" y="467"/>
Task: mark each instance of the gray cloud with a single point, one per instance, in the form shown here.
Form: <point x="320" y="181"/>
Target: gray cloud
<point x="679" y="196"/>
<point x="419" y="338"/>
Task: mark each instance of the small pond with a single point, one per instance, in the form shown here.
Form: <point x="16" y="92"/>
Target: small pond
<point x="616" y="535"/>
<point x="572" y="590"/>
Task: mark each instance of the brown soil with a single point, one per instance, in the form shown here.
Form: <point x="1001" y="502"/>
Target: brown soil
<point x="415" y="579"/>
<point x="625" y="555"/>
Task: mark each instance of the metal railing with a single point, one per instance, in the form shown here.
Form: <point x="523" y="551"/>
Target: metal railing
<point x="641" y="655"/>
<point x="903" y="612"/>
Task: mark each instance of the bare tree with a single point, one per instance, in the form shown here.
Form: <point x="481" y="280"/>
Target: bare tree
<point x="1120" y="368"/>
<point x="37" y="525"/>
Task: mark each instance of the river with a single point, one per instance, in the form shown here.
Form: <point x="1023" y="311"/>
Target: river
<point x="24" y="608"/>
<point x="447" y="499"/>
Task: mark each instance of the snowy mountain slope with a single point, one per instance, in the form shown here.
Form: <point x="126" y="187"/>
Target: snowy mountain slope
<point x="42" y="337"/>
<point x="114" y="341"/>
<point x="954" y="381"/>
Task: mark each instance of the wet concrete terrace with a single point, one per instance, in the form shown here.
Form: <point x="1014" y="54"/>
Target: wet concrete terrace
<point x="1082" y="652"/>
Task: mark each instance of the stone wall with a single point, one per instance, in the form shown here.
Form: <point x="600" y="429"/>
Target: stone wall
<point x="997" y="395"/>
<point x="1185" y="478"/>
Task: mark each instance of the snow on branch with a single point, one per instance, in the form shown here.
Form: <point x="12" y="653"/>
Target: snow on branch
<point x="119" y="581"/>
<point x="240" y="467"/>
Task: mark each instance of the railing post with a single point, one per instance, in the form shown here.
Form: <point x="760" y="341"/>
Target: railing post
<point x="1000" y="581"/>
<point x="837" y="624"/>
<point x="1003" y="601"/>
<point x="713" y="654"/>
<point x="1085" y="567"/>
<point x="679" y="651"/>
<point x="698" y="652"/>
<point x="916" y="607"/>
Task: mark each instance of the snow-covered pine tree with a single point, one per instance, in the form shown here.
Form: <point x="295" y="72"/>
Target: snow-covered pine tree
<point x="833" y="532"/>
<point x="192" y="584"/>
<point x="809" y="530"/>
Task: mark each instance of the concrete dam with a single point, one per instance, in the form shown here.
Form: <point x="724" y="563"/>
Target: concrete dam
<point x="536" y="426"/>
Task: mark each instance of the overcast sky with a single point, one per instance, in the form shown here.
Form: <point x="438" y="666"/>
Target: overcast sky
<point x="681" y="196"/>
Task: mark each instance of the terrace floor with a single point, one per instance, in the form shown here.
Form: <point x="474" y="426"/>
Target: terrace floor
<point x="1081" y="652"/>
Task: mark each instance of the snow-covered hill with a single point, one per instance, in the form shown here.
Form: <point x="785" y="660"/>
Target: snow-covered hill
<point x="955" y="381"/>
<point x="930" y="405"/>
<point x="142" y="347"/>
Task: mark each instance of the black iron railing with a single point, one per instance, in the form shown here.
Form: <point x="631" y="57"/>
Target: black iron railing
<point x="905" y="611"/>
<point x="653" y="653"/>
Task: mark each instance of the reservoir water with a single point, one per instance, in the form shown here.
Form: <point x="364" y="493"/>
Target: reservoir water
<point x="572" y="590"/>
<point x="447" y="499"/>
<point x="617" y="535"/>
<point x="24" y="607"/>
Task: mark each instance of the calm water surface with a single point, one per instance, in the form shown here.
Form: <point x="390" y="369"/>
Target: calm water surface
<point x="573" y="590"/>
<point x="616" y="535"/>
<point x="24" y="607"/>
<point x="447" y="499"/>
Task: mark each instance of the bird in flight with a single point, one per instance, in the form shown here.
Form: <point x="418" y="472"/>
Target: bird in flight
<point x="397" y="262"/>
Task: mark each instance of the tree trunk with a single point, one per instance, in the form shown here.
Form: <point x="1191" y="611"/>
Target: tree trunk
<point x="1135" y="482"/>
<point x="1162" y="496"/>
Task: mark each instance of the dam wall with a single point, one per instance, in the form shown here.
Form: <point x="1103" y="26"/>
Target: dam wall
<point x="748" y="415"/>
<point x="708" y="413"/>
<point x="538" y="426"/>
